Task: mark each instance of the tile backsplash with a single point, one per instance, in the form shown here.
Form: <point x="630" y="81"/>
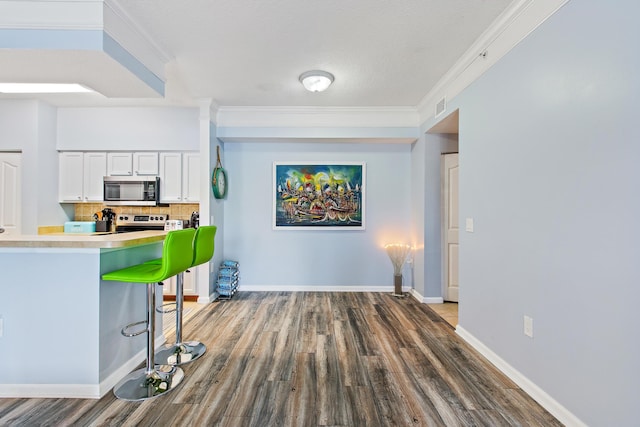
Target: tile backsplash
<point x="85" y="211"/>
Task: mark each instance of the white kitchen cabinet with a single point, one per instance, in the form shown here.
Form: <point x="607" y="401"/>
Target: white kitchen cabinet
<point x="80" y="176"/>
<point x="191" y="177"/>
<point x="120" y="164"/>
<point x="179" y="177"/>
<point x="170" y="177"/>
<point x="145" y="163"/>
<point x="132" y="163"/>
<point x="189" y="284"/>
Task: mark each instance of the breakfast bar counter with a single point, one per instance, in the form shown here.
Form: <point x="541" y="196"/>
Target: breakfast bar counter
<point x="60" y="322"/>
<point x="82" y="240"/>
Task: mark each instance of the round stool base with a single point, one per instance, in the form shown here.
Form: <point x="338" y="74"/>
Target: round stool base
<point x="180" y="354"/>
<point x="140" y="385"/>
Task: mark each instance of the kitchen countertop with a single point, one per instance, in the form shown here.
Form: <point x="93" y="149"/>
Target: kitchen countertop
<point x="78" y="240"/>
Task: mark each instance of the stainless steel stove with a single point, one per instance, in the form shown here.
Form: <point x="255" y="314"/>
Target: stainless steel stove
<point x="127" y="222"/>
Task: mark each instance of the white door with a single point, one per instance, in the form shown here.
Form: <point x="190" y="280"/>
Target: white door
<point x="450" y="225"/>
<point x="10" y="193"/>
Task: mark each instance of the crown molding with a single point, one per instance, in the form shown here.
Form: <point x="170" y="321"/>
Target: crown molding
<point x="518" y="21"/>
<point x="317" y="117"/>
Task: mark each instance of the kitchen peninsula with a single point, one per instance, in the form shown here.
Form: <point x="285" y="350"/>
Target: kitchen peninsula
<point x="60" y="323"/>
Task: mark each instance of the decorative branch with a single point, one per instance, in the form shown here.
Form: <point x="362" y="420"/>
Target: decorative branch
<point x="398" y="254"/>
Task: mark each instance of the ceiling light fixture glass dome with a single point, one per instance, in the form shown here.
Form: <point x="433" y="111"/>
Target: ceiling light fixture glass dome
<point x="316" y="80"/>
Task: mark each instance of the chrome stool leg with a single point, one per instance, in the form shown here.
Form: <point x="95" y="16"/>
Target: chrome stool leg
<point x="150" y="381"/>
<point x="181" y="352"/>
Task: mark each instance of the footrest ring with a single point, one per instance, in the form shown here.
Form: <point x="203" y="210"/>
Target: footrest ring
<point x="126" y="333"/>
<point x="162" y="309"/>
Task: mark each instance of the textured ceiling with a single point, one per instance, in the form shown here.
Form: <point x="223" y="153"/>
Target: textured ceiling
<point x="251" y="52"/>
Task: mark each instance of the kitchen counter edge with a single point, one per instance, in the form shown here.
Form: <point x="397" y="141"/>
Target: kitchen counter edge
<point x="70" y="240"/>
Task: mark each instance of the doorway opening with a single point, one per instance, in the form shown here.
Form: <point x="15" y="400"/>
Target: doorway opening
<point x="443" y="140"/>
<point x="10" y="192"/>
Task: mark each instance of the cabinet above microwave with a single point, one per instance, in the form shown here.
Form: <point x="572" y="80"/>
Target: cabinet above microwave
<point x="132" y="164"/>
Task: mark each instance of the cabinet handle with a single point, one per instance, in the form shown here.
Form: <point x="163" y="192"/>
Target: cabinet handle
<point x="79" y="197"/>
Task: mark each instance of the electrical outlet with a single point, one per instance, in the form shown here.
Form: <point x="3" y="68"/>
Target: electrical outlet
<point x="528" y="326"/>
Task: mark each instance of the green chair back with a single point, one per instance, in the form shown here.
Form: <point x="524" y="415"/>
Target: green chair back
<point x="177" y="255"/>
<point x="204" y="244"/>
<point x="177" y="252"/>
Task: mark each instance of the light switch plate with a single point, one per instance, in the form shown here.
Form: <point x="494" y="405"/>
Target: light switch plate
<point x="469" y="225"/>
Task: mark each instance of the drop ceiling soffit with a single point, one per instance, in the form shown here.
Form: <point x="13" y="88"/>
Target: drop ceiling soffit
<point x="317" y="117"/>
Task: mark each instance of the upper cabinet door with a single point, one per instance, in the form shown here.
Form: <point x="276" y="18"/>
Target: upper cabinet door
<point x="80" y="176"/>
<point x="119" y="164"/>
<point x="70" y="176"/>
<point x="95" y="168"/>
<point x="170" y="177"/>
<point x="191" y="177"/>
<point x="145" y="164"/>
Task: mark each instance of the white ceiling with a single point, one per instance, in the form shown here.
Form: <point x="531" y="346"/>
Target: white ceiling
<point x="251" y="52"/>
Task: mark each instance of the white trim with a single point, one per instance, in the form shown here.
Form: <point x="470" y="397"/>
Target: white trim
<point x="312" y="288"/>
<point x="206" y="300"/>
<point x="113" y="379"/>
<point x="518" y="21"/>
<point x="425" y="300"/>
<point x="45" y="391"/>
<point x="317" y="117"/>
<point x="528" y="386"/>
<point x="77" y="391"/>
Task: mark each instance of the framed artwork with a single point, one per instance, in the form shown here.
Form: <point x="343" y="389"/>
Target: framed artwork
<point x="319" y="196"/>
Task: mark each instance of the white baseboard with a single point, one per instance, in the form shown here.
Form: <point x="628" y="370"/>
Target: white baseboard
<point x="77" y="391"/>
<point x="206" y="300"/>
<point x="46" y="391"/>
<point x="539" y="395"/>
<point x="128" y="367"/>
<point x="425" y="300"/>
<point x="329" y="288"/>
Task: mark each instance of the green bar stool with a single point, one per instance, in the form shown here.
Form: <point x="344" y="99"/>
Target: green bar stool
<point x="152" y="381"/>
<point x="181" y="352"/>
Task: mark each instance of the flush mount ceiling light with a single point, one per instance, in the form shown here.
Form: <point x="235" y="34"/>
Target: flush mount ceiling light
<point x="43" y="88"/>
<point x="316" y="80"/>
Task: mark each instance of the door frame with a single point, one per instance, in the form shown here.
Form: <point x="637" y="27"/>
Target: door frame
<point x="17" y="156"/>
<point x="443" y="229"/>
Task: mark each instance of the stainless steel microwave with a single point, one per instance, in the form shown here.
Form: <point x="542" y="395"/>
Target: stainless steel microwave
<point x="132" y="190"/>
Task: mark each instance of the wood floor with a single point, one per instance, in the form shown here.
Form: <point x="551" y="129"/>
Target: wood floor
<point x="313" y="359"/>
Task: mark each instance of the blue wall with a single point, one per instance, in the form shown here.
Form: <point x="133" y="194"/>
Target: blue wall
<point x="549" y="159"/>
<point x="327" y="259"/>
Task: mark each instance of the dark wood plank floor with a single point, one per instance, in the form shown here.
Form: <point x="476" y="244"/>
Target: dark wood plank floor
<point x="313" y="359"/>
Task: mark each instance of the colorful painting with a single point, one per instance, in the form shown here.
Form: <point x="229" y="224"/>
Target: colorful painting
<point x="318" y="196"/>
